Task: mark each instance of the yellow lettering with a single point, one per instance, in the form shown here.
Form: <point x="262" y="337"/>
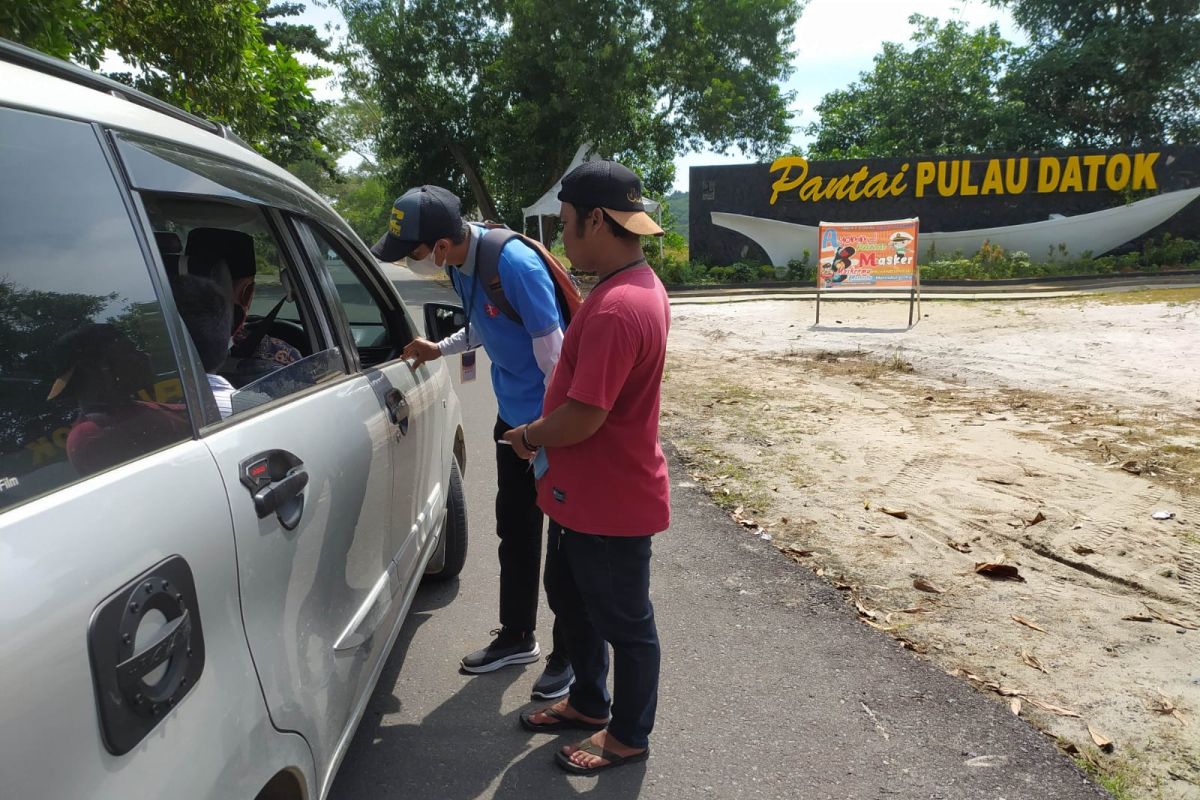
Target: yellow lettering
<point x="1015" y="182"/>
<point x="44" y="452"/>
<point x="786" y="183"/>
<point x="836" y="187"/>
<point x="1072" y="179"/>
<point x="811" y="190"/>
<point x="947" y="179"/>
<point x="1049" y="171"/>
<point x="1143" y="171"/>
<point x="1116" y="174"/>
<point x="877" y="186"/>
<point x="169" y="391"/>
<point x="1093" y="164"/>
<point x="992" y="181"/>
<point x="898" y="186"/>
<point x="858" y="178"/>
<point x="967" y="188"/>
<point x="925" y="174"/>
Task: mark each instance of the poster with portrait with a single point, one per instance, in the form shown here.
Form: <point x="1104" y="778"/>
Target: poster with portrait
<point x="868" y="255"/>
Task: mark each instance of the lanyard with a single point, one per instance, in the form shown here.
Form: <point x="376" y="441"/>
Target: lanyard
<point x="470" y="302"/>
<point x="637" y="262"/>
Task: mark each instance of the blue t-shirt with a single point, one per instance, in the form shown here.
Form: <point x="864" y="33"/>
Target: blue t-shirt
<point x="516" y="377"/>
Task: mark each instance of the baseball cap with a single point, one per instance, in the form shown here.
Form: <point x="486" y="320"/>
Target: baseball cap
<point x="421" y="215"/>
<point x="614" y="188"/>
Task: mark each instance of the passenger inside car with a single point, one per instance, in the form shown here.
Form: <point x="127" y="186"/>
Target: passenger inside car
<point x="206" y="314"/>
<point x="227" y="258"/>
<point x="104" y="372"/>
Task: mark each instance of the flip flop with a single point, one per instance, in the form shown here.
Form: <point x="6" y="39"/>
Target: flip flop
<point x="588" y="747"/>
<point x="564" y="722"/>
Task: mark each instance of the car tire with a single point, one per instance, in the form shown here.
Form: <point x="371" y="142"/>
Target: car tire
<point x="454" y="530"/>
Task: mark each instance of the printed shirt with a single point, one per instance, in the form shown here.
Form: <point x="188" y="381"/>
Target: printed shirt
<point x="615" y="482"/>
<point x="517" y="379"/>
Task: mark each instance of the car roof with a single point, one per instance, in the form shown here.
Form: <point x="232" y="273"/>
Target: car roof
<point x="34" y="89"/>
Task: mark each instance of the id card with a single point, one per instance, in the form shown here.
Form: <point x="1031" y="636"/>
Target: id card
<point x="467" y="367"/>
<point x="540" y="464"/>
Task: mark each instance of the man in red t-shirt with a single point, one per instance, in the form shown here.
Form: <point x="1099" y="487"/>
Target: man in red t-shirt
<point x="601" y="475"/>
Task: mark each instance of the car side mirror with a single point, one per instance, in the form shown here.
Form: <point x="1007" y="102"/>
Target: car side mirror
<point x="442" y="320"/>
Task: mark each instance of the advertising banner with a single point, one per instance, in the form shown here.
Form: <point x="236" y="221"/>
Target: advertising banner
<point x="868" y="255"/>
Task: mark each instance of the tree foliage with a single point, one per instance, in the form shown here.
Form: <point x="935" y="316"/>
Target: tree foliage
<point x="1109" y="74"/>
<point x="940" y="96"/>
<point x="492" y="98"/>
<point x="1094" y="74"/>
<point x="228" y="60"/>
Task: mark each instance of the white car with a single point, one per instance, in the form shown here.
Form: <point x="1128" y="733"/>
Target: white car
<point x="203" y="563"/>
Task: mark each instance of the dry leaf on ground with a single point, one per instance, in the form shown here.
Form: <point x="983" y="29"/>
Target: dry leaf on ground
<point x="1028" y="624"/>
<point x="1031" y="660"/>
<point x="1132" y="467"/>
<point x="894" y="512"/>
<point x="1038" y="518"/>
<point x="863" y="610"/>
<point x="1161" y="617"/>
<point x="1165" y="706"/>
<point x="1015" y="705"/>
<point x="1050" y="707"/>
<point x="1102" y="741"/>
<point x="1004" y="572"/>
<point x="926" y="586"/>
<point x="1082" y="549"/>
<point x="962" y="547"/>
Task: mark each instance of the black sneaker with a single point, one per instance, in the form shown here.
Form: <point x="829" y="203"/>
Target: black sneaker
<point x="509" y="647"/>
<point x="556" y="680"/>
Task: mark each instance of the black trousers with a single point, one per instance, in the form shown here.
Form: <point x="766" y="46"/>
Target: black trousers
<point x="519" y="526"/>
<point x="599" y="588"/>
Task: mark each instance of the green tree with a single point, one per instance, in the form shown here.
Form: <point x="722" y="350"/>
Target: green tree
<point x="223" y="59"/>
<point x="941" y="96"/>
<point x="1099" y="73"/>
<point x="492" y="98"/>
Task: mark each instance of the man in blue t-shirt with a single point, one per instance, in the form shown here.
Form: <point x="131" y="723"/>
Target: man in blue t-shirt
<point x="427" y="229"/>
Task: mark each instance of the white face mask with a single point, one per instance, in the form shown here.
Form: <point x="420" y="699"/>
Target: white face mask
<point x="426" y="267"/>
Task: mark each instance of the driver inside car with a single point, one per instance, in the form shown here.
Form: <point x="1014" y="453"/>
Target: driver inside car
<point x="227" y="258"/>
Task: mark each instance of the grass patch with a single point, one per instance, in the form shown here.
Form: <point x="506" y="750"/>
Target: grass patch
<point x="1121" y="777"/>
<point x="1171" y="297"/>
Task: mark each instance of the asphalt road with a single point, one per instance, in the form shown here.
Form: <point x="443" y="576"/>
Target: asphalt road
<point x="770" y="686"/>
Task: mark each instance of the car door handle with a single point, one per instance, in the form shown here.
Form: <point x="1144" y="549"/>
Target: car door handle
<point x="397" y="408"/>
<point x="276" y="497"/>
<point x="276" y="480"/>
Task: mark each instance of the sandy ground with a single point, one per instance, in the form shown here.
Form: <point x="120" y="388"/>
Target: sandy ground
<point x="1037" y="435"/>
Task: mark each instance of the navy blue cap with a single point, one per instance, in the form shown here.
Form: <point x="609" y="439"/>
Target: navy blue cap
<point x="422" y="215"/>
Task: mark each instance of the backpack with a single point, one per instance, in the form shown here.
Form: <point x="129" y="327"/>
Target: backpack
<point x="487" y="267"/>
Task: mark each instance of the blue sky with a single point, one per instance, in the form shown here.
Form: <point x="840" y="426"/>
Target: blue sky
<point x="836" y="40"/>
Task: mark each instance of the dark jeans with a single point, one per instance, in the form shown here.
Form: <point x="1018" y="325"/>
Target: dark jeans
<point x="519" y="526"/>
<point x="599" y="590"/>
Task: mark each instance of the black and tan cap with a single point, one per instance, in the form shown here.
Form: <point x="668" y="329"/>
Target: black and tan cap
<point x="614" y="188"/>
<point x="422" y="215"/>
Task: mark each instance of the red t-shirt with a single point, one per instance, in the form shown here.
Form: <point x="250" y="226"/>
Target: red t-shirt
<point x="615" y="482"/>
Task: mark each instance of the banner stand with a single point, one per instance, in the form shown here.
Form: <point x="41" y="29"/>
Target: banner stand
<point x="870" y="255"/>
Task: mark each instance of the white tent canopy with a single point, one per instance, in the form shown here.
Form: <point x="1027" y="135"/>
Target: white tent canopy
<point x="548" y="205"/>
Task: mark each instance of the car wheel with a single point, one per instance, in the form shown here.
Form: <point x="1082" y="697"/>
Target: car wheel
<point x="451" y="552"/>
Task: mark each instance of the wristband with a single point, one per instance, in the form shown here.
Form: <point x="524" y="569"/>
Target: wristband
<point x="528" y="445"/>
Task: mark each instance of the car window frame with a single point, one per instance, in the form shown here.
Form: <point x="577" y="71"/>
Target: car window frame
<point x="399" y="325"/>
<point x="290" y="251"/>
<point x="176" y="333"/>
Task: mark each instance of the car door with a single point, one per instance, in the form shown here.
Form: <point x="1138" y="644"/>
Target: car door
<point x="305" y="457"/>
<point x="375" y="320"/>
<point x="124" y="670"/>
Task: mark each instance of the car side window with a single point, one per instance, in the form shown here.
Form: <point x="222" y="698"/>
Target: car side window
<point x="88" y="374"/>
<point x="379" y="331"/>
<point x="245" y="308"/>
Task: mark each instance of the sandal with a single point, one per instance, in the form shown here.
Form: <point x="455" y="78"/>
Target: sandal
<point x="564" y="722"/>
<point x="590" y="748"/>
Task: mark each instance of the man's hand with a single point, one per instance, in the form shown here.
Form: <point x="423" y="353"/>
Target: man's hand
<point x="419" y="351"/>
<point x="513" y="437"/>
